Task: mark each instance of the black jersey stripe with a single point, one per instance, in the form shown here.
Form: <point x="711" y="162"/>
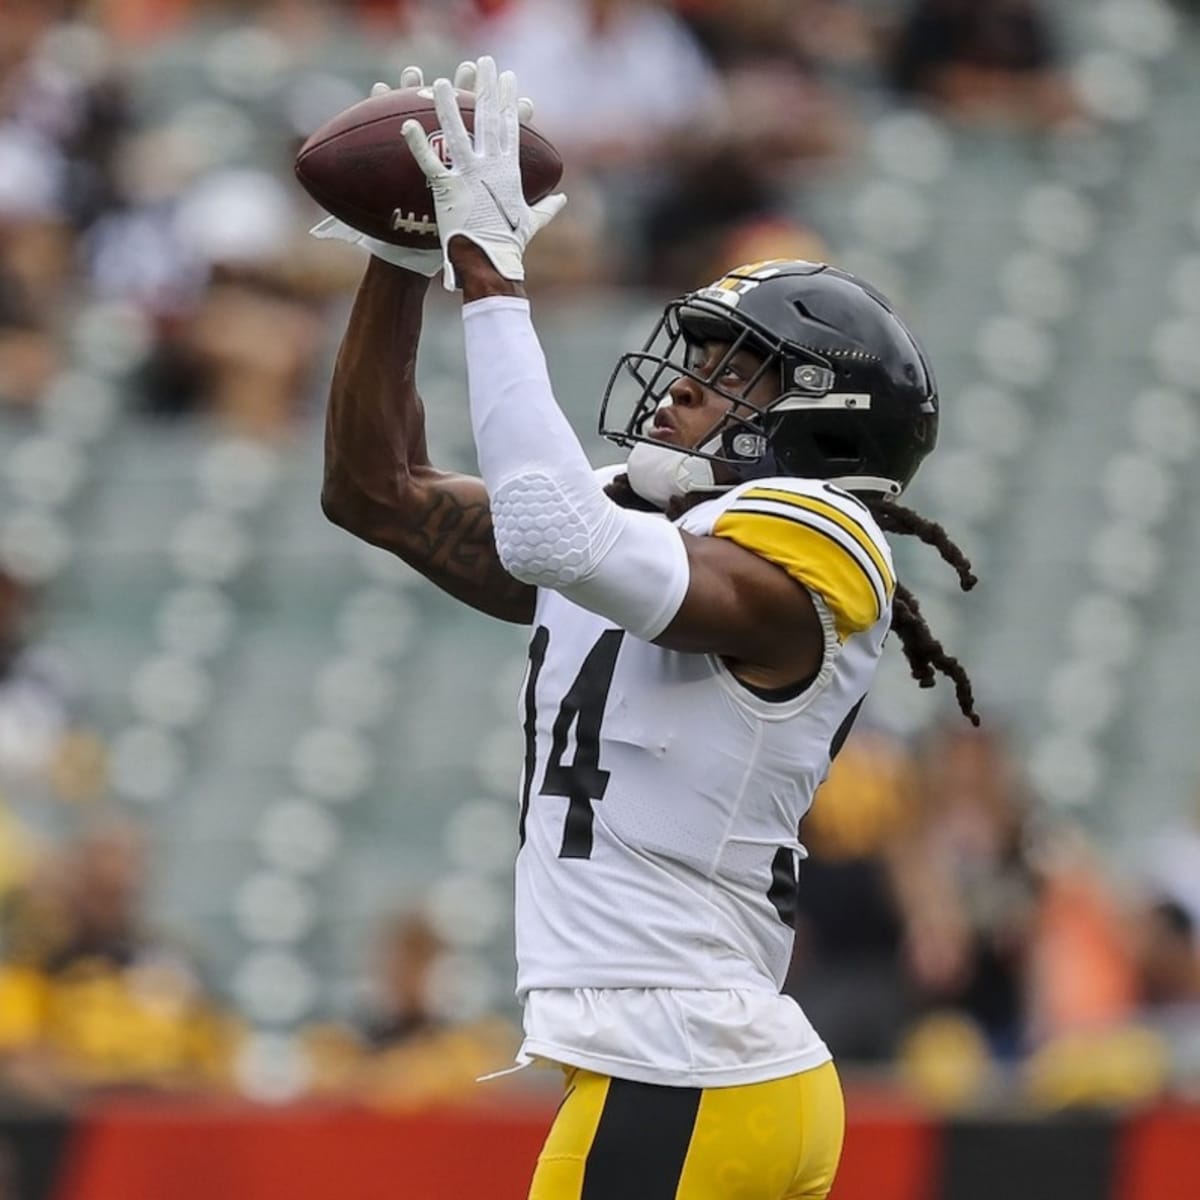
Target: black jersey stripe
<point x="641" y="1142"/>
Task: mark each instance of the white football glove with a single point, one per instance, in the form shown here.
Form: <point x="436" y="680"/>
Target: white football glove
<point x="422" y="262"/>
<point x="479" y="196"/>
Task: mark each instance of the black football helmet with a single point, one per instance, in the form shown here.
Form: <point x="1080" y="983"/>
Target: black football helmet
<point x="858" y="404"/>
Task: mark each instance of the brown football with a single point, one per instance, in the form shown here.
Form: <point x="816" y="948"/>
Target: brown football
<point x="358" y="167"/>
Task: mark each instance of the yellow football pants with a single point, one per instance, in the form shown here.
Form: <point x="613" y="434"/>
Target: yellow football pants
<point x="617" y="1140"/>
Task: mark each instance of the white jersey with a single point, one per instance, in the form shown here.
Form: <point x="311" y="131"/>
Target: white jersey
<point x="660" y="808"/>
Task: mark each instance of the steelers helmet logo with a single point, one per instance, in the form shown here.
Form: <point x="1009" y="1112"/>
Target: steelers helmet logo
<point x="730" y="288"/>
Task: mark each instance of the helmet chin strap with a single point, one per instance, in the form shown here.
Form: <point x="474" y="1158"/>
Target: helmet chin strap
<point x="661" y="473"/>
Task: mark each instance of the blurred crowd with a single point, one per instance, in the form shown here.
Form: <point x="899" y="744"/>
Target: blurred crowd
<point x="946" y="923"/>
<point x="950" y="923"/>
<point x="949" y="929"/>
<point x="95" y="997"/>
<point x="145" y="152"/>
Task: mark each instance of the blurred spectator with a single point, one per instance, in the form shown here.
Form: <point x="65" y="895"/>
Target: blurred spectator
<point x="577" y="249"/>
<point x="63" y="113"/>
<point x="35" y="917"/>
<point x="1082" y="967"/>
<point x="105" y="879"/>
<point x="209" y="240"/>
<point x="984" y="61"/>
<point x="946" y="1061"/>
<point x="401" y="1005"/>
<point x="773" y="57"/>
<point x="624" y="91"/>
<point x="733" y="192"/>
<point x="141" y="21"/>
<point x="93" y="995"/>
<point x="805" y="31"/>
<point x="848" y="971"/>
<point x="712" y="215"/>
<point x="219" y="265"/>
<point x="1168" y="958"/>
<point x="62" y="93"/>
<point x="29" y="351"/>
<point x="1102" y="1031"/>
<point x="969" y="885"/>
<point x="38" y="722"/>
<point x="35" y="244"/>
<point x="18" y="860"/>
<point x="615" y="82"/>
<point x="405" y="1050"/>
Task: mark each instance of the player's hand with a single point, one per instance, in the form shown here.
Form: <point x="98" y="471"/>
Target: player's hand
<point x="423" y="262"/>
<point x="479" y="195"/>
<point x="464" y="80"/>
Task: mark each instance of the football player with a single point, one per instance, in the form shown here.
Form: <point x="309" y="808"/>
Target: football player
<point x="707" y="620"/>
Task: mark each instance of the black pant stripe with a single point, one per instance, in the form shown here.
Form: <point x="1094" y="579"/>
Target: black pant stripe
<point x="641" y="1142"/>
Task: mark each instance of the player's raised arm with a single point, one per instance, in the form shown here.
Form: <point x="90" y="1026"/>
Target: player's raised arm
<point x="555" y="528"/>
<point x="379" y="483"/>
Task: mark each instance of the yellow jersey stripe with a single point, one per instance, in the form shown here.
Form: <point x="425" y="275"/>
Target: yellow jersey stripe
<point x="835" y="532"/>
<point x="814" y="558"/>
<point x="830" y="529"/>
<point x="832" y="513"/>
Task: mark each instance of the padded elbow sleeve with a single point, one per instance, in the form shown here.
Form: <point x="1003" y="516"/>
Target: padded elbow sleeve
<point x="630" y="567"/>
<point x="546" y="537"/>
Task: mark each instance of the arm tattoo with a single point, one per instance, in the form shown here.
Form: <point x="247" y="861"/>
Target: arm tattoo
<point x="449" y="539"/>
<point x="379" y="483"/>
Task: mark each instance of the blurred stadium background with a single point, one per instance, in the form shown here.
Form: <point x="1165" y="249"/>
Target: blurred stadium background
<point x="256" y="780"/>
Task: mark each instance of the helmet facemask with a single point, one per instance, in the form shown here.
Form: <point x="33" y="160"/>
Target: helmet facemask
<point x="739" y="445"/>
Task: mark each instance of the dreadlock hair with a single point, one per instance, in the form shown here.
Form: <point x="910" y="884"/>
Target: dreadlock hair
<point x="924" y="652"/>
<point x="620" y="491"/>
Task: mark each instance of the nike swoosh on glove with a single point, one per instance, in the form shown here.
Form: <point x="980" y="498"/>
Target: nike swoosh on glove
<point x="479" y="195"/>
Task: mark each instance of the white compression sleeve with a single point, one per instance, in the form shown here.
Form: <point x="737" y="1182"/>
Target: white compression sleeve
<point x="554" y="526"/>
